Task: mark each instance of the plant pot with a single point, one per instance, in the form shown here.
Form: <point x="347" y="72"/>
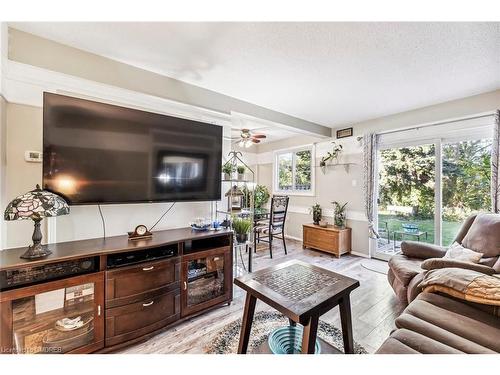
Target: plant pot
<point x="339" y="220"/>
<point x="317" y="216"/>
<point x="241" y="176"/>
<point x="227" y="176"/>
<point x="241" y="237"/>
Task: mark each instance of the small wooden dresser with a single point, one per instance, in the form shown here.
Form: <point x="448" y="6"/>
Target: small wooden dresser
<point x="330" y="239"/>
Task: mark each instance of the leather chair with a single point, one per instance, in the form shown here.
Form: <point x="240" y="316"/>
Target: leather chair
<point x="479" y="233"/>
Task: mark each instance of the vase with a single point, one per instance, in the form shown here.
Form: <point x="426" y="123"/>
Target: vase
<point x="241" y="237"/>
<point x="339" y="220"/>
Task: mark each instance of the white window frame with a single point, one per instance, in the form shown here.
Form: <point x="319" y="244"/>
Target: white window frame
<point x="294" y="150"/>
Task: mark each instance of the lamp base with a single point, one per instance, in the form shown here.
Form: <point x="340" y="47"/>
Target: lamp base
<point x="36" y="251"/>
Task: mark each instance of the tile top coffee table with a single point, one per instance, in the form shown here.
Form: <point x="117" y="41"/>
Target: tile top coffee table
<point x="302" y="292"/>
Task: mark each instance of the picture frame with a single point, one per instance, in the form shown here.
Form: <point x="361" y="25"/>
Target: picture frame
<point x="344" y="133"/>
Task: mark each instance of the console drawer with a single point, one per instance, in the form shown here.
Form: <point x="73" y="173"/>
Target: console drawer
<point x="142" y="281"/>
<point x="128" y="322"/>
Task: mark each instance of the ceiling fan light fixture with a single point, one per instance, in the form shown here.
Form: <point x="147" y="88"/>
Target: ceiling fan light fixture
<point x="248" y="143"/>
<point x="241" y="143"/>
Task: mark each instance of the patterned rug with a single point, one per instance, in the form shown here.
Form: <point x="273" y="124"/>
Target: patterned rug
<point x="264" y="322"/>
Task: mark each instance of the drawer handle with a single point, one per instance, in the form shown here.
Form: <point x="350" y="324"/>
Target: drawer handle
<point x="185" y="285"/>
<point x="148" y="268"/>
<point x="148" y="304"/>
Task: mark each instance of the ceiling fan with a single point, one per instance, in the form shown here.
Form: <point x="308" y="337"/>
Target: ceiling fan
<point x="247" y="138"/>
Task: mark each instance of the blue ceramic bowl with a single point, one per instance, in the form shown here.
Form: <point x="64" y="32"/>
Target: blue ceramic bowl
<point x="288" y="340"/>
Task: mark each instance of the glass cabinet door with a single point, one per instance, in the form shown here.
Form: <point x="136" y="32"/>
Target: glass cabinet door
<point x="58" y="320"/>
<point x="205" y="280"/>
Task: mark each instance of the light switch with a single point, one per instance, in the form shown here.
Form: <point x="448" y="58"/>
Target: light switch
<point x="354" y="183"/>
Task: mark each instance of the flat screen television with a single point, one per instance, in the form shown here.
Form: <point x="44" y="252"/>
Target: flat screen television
<point x="100" y="153"/>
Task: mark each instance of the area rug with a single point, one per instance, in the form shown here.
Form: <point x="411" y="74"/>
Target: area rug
<point x="264" y="322"/>
<point x="374" y="265"/>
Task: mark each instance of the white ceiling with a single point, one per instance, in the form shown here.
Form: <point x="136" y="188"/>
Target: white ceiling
<point x="330" y="73"/>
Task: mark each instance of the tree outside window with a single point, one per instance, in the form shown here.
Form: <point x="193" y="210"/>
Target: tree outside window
<point x="294" y="171"/>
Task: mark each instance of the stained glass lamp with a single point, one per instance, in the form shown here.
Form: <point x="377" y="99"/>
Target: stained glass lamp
<point x="35" y="205"/>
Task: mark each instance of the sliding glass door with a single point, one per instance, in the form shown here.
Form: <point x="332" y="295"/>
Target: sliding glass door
<point x="466" y="179"/>
<point x="406" y="196"/>
<point x="427" y="189"/>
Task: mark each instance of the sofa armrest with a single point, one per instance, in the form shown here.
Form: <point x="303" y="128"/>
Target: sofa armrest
<point x="437" y="263"/>
<point x="422" y="250"/>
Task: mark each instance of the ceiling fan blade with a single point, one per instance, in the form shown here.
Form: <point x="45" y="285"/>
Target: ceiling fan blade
<point x="259" y="136"/>
<point x="255" y="140"/>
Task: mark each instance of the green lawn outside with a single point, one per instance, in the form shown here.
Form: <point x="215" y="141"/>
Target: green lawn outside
<point x="450" y="228"/>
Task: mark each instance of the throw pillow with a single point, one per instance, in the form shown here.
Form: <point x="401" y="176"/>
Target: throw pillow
<point x="458" y="252"/>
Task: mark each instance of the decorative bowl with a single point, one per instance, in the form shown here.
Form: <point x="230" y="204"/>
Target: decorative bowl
<point x="288" y="340"/>
<point x="201" y="228"/>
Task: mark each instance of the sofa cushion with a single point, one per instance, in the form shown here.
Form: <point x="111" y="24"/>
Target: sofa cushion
<point x="453" y="320"/>
<point x="405" y="268"/>
<point x="458" y="252"/>
<point x="422" y="344"/>
<point x="437" y="263"/>
<point x="484" y="235"/>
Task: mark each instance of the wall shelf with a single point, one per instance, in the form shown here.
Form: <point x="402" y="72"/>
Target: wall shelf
<point x="346" y="166"/>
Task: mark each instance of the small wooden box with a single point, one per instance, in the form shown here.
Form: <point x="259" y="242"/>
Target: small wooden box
<point x="330" y="239"/>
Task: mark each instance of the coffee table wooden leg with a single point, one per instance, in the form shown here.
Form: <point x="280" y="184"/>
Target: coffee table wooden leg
<point x="309" y="335"/>
<point x="246" y="324"/>
<point x="292" y="323"/>
<point x="345" y="317"/>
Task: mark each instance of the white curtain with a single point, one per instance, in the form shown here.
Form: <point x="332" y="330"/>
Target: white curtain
<point x="369" y="164"/>
<point x="495" y="164"/>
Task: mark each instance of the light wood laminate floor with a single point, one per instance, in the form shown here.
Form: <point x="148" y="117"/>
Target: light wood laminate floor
<point x="374" y="305"/>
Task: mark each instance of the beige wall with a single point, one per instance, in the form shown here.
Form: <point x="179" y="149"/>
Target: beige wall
<point x="23" y="133"/>
<point x="485" y="102"/>
<point x="3" y="144"/>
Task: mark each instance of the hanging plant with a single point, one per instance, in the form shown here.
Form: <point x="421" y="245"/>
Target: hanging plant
<point x="331" y="155"/>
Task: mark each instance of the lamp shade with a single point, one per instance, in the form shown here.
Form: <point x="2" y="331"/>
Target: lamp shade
<point x="35" y="205"/>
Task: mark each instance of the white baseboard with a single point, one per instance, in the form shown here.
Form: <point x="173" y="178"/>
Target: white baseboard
<point x="360" y="254"/>
<point x="363" y="255"/>
<point x="293" y="238"/>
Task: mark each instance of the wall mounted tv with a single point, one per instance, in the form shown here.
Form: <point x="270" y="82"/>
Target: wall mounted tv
<point x="101" y="153"/>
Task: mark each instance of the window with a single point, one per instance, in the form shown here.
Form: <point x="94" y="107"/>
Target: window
<point x="429" y="180"/>
<point x="294" y="171"/>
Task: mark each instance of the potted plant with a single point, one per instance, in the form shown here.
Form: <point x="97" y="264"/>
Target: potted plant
<point x="241" y="228"/>
<point x="241" y="172"/>
<point x="316" y="212"/>
<point x="339" y="212"/>
<point x="227" y="169"/>
<point x="261" y="196"/>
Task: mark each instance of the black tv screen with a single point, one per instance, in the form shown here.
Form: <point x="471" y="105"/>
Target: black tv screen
<point x="100" y="153"/>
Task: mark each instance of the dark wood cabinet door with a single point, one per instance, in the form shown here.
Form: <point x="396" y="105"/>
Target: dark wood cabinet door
<point x="206" y="280"/>
<point x="63" y="316"/>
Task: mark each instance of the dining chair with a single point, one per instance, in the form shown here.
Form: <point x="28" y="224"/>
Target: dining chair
<point x="275" y="227"/>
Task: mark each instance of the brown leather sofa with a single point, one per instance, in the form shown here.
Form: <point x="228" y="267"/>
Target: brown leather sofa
<point x="438" y="324"/>
<point x="480" y="233"/>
